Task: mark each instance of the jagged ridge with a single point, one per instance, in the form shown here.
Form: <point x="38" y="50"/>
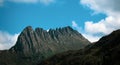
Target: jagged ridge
<point x="36" y="45"/>
<point x="104" y="52"/>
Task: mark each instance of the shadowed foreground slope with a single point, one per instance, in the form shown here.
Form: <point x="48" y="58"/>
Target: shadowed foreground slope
<point x="104" y="52"/>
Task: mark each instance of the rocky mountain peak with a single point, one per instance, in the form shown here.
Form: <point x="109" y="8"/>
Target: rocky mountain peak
<point x="34" y="46"/>
<point x="39" y="43"/>
<point x="28" y="28"/>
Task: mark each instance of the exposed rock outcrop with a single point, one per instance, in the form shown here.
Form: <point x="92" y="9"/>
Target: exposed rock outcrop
<point x="36" y="45"/>
<point x="104" y="52"/>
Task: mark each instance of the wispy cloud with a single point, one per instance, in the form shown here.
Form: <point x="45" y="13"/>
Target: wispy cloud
<point x="47" y="2"/>
<point x="44" y="2"/>
<point x="25" y="1"/>
<point x="75" y="25"/>
<point x="7" y="40"/>
<point x="1" y="2"/>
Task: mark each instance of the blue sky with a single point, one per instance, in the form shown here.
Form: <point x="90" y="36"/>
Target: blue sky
<point x="92" y="19"/>
<point x="14" y="16"/>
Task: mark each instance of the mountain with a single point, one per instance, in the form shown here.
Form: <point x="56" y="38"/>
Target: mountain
<point x="33" y="46"/>
<point x="104" y="52"/>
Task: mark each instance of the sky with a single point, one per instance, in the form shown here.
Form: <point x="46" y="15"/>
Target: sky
<point x="92" y="18"/>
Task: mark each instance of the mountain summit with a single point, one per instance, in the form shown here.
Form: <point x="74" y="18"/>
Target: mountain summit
<point x="39" y="41"/>
<point x="36" y="45"/>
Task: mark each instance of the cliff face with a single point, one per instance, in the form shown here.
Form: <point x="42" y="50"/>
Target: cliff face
<point x="39" y="41"/>
<point x="36" y="45"/>
<point x="104" y="52"/>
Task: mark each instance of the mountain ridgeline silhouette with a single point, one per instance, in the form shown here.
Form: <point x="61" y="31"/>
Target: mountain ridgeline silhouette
<point x="104" y="52"/>
<point x="61" y="46"/>
<point x="34" y="46"/>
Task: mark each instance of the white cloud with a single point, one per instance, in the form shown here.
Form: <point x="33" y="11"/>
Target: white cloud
<point x="111" y="22"/>
<point x="7" y="40"/>
<point x="104" y="6"/>
<point x="48" y="30"/>
<point x="47" y="2"/>
<point x="75" y="25"/>
<point x="105" y="26"/>
<point x="88" y="36"/>
<point x="25" y="1"/>
<point x="91" y="38"/>
<point x="1" y="2"/>
<point x="44" y="2"/>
